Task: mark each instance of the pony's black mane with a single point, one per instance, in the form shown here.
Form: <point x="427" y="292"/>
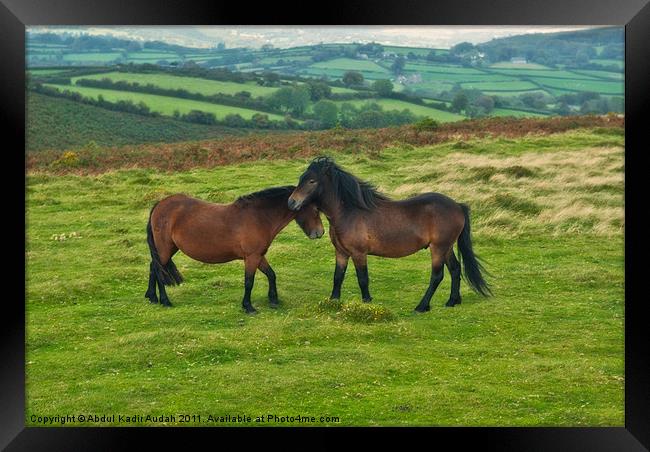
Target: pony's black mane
<point x="349" y="189"/>
<point x="268" y="194"/>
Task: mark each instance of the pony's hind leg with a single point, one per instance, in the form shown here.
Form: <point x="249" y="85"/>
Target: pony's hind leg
<point x="165" y="257"/>
<point x="265" y="268"/>
<point x="437" y="273"/>
<point x="454" y="269"/>
<point x="151" y="290"/>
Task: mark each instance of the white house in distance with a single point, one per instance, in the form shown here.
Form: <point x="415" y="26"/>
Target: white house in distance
<point x="518" y="60"/>
<point x="410" y="79"/>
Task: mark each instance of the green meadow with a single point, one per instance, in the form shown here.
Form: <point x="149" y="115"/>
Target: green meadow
<point x="192" y="84"/>
<point x="164" y="104"/>
<point x="419" y="110"/>
<point x="546" y="350"/>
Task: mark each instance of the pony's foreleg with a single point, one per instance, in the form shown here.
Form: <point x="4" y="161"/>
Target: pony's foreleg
<point x="250" y="266"/>
<point x="361" y="266"/>
<point x="339" y="274"/>
<point x="265" y="268"/>
<point x="454" y="269"/>
<point x="437" y="273"/>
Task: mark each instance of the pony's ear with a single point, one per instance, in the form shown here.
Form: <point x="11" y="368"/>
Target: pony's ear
<point x="328" y="168"/>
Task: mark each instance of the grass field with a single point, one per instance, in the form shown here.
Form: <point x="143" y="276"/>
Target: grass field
<point x="514" y="93"/>
<point x="348" y="64"/>
<point x="500" y="86"/>
<point x="163" y="104"/>
<point x="545" y="74"/>
<point x="419" y="110"/>
<point x="46" y="71"/>
<point x="92" y="57"/>
<point x="192" y="84"/>
<point x="546" y="350"/>
<point x="515" y="113"/>
<point x="598" y="86"/>
<point x="508" y="65"/>
<point x="606" y="62"/>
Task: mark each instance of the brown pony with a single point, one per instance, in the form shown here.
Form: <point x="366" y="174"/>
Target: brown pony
<point x="216" y="233"/>
<point x="364" y="221"/>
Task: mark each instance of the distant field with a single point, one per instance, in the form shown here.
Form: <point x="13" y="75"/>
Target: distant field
<point x="619" y="63"/>
<point x="459" y="78"/>
<point x="507" y="65"/>
<point x="152" y="55"/>
<point x="441" y="68"/>
<point x="336" y="68"/>
<point x="338" y="73"/>
<point x="92" y="57"/>
<point x="513" y="93"/>
<point x="274" y="60"/>
<point x="420" y="110"/>
<point x="500" y="86"/>
<point x="47" y="71"/>
<point x="515" y="113"/>
<point x="597" y="86"/>
<point x="416" y="50"/>
<point x="166" y="105"/>
<point x="348" y="64"/>
<point x="544" y="74"/>
<point x="602" y="74"/>
<point x="192" y="84"/>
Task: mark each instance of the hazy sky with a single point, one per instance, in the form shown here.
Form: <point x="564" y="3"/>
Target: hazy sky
<point x="291" y="36"/>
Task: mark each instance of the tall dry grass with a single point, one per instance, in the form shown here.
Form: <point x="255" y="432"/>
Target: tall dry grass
<point x="556" y="192"/>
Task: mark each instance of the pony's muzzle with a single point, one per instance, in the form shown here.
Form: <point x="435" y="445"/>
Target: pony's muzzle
<point x="293" y="204"/>
<point x="316" y="234"/>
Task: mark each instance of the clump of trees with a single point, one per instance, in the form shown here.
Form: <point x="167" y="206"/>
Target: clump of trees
<point x="294" y="99"/>
<point x="383" y="87"/>
<point x="352" y="79"/>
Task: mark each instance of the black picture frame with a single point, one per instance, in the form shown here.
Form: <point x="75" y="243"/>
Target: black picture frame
<point x="15" y="15"/>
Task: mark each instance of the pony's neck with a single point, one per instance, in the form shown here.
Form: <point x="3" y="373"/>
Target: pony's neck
<point x="330" y="205"/>
<point x="279" y="214"/>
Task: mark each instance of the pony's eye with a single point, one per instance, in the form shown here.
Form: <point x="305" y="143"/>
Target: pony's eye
<point x="312" y="181"/>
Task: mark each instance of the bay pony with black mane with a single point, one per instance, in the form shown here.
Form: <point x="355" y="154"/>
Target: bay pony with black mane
<point x="364" y="221"/>
<point x="217" y="233"/>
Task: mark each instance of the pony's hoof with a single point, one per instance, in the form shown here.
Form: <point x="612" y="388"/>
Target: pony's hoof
<point x="451" y="303"/>
<point x="420" y="310"/>
<point x="251" y="311"/>
<point x="367" y="300"/>
<point x="274" y="304"/>
<point x="167" y="304"/>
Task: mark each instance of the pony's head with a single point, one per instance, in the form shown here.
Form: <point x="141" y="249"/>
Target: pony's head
<point x="324" y="176"/>
<point x="308" y="218"/>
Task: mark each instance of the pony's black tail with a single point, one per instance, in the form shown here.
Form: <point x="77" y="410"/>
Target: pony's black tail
<point x="168" y="273"/>
<point x="471" y="264"/>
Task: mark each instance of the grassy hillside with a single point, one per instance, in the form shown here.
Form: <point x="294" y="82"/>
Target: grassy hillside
<point x="547" y="216"/>
<point x="55" y="123"/>
<point x="262" y="146"/>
